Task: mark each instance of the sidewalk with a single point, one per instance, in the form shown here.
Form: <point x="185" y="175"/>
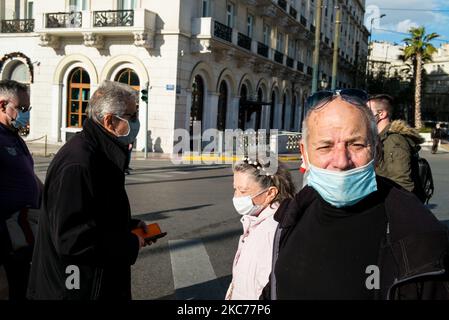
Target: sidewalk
<point x="39" y="149"/>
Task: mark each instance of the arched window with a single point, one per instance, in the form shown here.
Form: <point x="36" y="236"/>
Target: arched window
<point x="242" y="106"/>
<point x="222" y="106"/>
<point x="272" y="109"/>
<point x="20" y="73"/>
<point x="284" y="104"/>
<point x="78" y="97"/>
<point x="259" y="109"/>
<point x="196" y="113"/>
<point x="129" y="77"/>
<point x="293" y="113"/>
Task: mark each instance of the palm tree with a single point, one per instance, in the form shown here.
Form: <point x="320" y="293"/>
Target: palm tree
<point x="419" y="49"/>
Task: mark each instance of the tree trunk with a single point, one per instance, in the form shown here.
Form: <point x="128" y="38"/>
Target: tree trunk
<point x="418" y="79"/>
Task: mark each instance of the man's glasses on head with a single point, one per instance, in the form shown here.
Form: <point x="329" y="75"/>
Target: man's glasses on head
<point x="321" y="98"/>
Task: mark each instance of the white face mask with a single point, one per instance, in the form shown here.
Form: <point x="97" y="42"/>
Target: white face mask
<point x="245" y="206"/>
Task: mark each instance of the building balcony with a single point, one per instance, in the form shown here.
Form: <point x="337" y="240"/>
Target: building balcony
<point x="262" y="49"/>
<point x="17" y="26"/>
<point x="93" y="26"/>
<point x="309" y="71"/>
<point x="222" y="31"/>
<point x="293" y="13"/>
<point x="278" y="57"/>
<point x="228" y="44"/>
<point x="282" y="4"/>
<point x="64" y="20"/>
<point x="312" y="28"/>
<point x="286" y="17"/>
<point x="244" y="41"/>
<point x="303" y="21"/>
<point x="117" y="18"/>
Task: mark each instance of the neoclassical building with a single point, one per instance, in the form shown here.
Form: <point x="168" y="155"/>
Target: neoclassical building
<point x="221" y="63"/>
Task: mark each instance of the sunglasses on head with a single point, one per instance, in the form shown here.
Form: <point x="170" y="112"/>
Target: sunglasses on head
<point x="321" y="98"/>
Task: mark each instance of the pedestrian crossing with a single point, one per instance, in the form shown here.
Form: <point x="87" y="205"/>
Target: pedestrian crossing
<point x="193" y="274"/>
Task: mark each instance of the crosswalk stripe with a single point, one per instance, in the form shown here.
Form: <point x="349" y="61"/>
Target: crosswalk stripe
<point x="193" y="274"/>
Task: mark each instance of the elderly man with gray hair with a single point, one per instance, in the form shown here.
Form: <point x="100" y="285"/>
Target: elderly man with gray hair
<point x="85" y="247"/>
<point x="350" y="234"/>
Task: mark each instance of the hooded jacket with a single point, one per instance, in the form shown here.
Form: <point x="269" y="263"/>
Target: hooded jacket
<point x="400" y="143"/>
<point x="414" y="252"/>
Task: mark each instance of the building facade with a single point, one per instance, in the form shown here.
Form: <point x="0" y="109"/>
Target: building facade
<point x="385" y="61"/>
<point x="218" y="63"/>
<point x="436" y="86"/>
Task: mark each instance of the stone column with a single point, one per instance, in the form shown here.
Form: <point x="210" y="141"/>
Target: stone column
<point x="56" y="112"/>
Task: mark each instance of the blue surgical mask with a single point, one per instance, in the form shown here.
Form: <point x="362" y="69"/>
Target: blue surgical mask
<point x="343" y="188"/>
<point x="133" y="130"/>
<point x="22" y="119"/>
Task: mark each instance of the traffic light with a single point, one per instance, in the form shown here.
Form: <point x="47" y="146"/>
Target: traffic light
<point x="144" y="97"/>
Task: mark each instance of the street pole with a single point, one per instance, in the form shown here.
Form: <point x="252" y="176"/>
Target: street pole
<point x="146" y="121"/>
<point x="336" y="47"/>
<point x="370" y="48"/>
<point x="316" y="51"/>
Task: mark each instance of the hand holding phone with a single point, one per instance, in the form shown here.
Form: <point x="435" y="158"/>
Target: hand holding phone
<point x="152" y="233"/>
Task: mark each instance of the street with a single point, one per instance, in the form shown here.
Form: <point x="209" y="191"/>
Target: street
<point x="193" y="204"/>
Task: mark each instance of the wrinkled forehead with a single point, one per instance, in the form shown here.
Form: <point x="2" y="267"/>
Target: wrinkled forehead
<point x="339" y="115"/>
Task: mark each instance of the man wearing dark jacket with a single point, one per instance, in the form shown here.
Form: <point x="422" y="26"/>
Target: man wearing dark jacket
<point x="85" y="246"/>
<point x="436" y="135"/>
<point x="20" y="189"/>
<point x="349" y="234"/>
<point x="400" y="145"/>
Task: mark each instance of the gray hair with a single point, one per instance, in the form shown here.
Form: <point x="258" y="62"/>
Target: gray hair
<point x="366" y="114"/>
<point x="10" y="89"/>
<point x="110" y="97"/>
<point x="281" y="180"/>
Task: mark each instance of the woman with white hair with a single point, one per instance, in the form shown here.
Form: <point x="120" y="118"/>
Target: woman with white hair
<point x="257" y="195"/>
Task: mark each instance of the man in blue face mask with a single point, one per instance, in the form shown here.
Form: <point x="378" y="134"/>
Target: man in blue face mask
<point x="87" y="218"/>
<point x="19" y="187"/>
<point x="349" y="234"/>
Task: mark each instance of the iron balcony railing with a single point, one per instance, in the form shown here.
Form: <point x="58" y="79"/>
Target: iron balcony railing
<point x="114" y="18"/>
<point x="244" y="41"/>
<point x="309" y="71"/>
<point x="17" y="26"/>
<point x="293" y="12"/>
<point x="72" y="19"/>
<point x="222" y="31"/>
<point x="282" y="4"/>
<point x="262" y="49"/>
<point x="278" y="57"/>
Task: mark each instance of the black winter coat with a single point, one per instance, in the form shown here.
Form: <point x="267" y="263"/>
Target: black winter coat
<point x="414" y="255"/>
<point x="86" y="222"/>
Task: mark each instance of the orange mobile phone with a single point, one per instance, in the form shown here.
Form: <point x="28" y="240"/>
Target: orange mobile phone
<point x="154" y="232"/>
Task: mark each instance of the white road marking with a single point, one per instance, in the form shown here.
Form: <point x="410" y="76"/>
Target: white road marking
<point x="193" y="274"/>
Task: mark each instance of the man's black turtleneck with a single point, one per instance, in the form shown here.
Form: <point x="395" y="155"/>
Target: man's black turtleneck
<point x="330" y="250"/>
